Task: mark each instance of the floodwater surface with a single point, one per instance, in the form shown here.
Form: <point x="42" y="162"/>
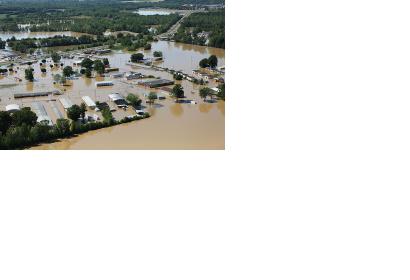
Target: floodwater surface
<point x="23" y="35"/>
<point x="171" y="125"/>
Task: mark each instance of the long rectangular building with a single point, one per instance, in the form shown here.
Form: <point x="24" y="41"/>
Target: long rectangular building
<point x="157" y="83"/>
<point x="66" y="102"/>
<point x="41" y="112"/>
<point x="89" y="102"/>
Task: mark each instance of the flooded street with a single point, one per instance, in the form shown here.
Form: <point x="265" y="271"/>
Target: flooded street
<point x="171" y="125"/>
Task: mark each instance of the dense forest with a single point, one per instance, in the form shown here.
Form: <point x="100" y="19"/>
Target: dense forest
<point x="97" y="16"/>
<point x="127" y="41"/>
<point x="193" y="27"/>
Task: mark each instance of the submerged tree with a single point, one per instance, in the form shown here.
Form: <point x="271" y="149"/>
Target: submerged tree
<point x="87" y="63"/>
<point x="137" y="57"/>
<point x="213" y="61"/>
<point x="134" y="100"/>
<point x="178" y="92"/>
<point x="152" y="96"/>
<point x="99" y="67"/>
<point x="204" y="63"/>
<point x="205" y="92"/>
<point x="28" y="74"/>
<point x="55" y="57"/>
<point x="68" y="71"/>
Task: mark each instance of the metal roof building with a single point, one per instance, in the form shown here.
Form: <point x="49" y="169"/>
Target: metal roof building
<point x="12" y="108"/>
<point x="89" y="102"/>
<point x="157" y="83"/>
<point x="41" y="112"/>
<point x="104" y="84"/>
<point x="66" y="102"/>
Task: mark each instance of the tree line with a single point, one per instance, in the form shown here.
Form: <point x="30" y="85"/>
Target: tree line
<point x="192" y="29"/>
<point x="21" y="129"/>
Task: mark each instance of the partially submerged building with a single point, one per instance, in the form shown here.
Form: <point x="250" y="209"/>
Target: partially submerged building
<point x="118" y="99"/>
<point x="157" y="83"/>
<point x="89" y="102"/>
<point x="133" y="76"/>
<point x="104" y="84"/>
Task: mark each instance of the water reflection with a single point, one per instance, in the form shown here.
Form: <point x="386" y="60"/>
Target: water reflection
<point x="87" y="81"/>
<point x="221" y="107"/>
<point x="152" y="110"/>
<point x="204" y="107"/>
<point x="176" y="109"/>
<point x="29" y="86"/>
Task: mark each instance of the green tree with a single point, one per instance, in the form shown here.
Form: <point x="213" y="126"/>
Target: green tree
<point x="68" y="71"/>
<point x="205" y="92"/>
<point x="221" y="92"/>
<point x="107" y="116"/>
<point x="213" y="61"/>
<point x="134" y="100"/>
<point x="152" y="96"/>
<point x="40" y="132"/>
<point x="99" y="67"/>
<point x="157" y="54"/>
<point x="55" y="57"/>
<point x="137" y="57"/>
<point x="177" y="92"/>
<point x="83" y="108"/>
<point x="74" y="112"/>
<point x="24" y="116"/>
<point x="87" y="63"/>
<point x="17" y="136"/>
<point x="57" y="78"/>
<point x="88" y="73"/>
<point x="63" y="127"/>
<point x="28" y="74"/>
<point x="106" y="61"/>
<point x="204" y="63"/>
<point x="63" y="80"/>
<point x="5" y="121"/>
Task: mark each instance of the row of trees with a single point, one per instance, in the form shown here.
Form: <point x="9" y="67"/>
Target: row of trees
<point x="21" y="129"/>
<point x="212" y="62"/>
<point x="207" y="92"/>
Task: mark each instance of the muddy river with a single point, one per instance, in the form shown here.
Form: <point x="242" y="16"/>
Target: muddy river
<point x="171" y="125"/>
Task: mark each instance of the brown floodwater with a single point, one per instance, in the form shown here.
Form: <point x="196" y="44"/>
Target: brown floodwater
<point x="171" y="125"/>
<point x="23" y="35"/>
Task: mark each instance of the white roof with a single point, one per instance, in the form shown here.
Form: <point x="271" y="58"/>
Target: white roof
<point x="115" y="97"/>
<point x="104" y="83"/>
<point x="41" y="112"/>
<point x="12" y="107"/>
<point x="88" y="101"/>
<point x="66" y="102"/>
